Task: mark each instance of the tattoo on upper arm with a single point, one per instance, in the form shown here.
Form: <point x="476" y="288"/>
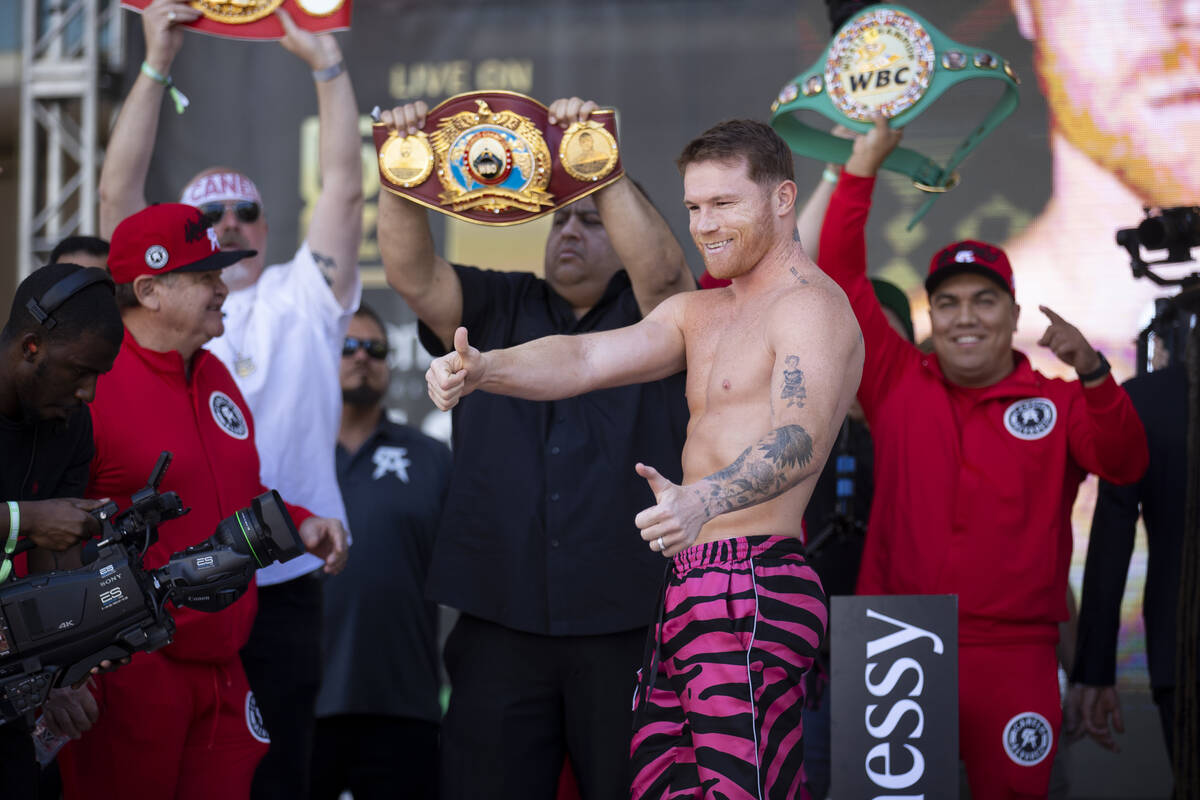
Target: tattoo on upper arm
<point x="326" y="265"/>
<point x="761" y="472"/>
<point x="793" y="383"/>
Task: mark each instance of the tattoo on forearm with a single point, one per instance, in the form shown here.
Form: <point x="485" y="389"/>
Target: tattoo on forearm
<point x="326" y="265"/>
<point x="793" y="383"/>
<point x="763" y="471"/>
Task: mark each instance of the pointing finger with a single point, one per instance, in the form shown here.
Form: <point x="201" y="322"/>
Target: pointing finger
<point x="1052" y="316"/>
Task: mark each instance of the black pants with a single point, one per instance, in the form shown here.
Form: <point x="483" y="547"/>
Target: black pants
<point x="519" y="701"/>
<point x="283" y="664"/>
<point x="1164" y="698"/>
<point x="376" y="757"/>
<point x="18" y="765"/>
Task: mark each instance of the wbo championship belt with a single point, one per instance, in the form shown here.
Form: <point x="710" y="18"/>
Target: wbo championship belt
<point x="888" y="59"/>
<point x="255" y="19"/>
<point x="493" y="158"/>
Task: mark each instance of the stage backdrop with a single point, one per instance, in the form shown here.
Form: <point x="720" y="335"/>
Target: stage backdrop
<point x="674" y="67"/>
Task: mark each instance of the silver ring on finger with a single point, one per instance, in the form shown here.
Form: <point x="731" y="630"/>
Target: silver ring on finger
<point x="170" y="16"/>
<point x="661" y="546"/>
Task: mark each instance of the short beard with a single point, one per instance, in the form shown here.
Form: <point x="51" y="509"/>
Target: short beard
<point x="362" y="396"/>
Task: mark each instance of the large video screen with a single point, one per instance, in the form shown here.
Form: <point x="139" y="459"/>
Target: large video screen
<point x="1108" y="122"/>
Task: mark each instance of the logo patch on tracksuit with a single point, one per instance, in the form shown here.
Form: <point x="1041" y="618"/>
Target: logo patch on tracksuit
<point x="1027" y="738"/>
<point x="1031" y="418"/>
<point x="254" y="720"/>
<point x="228" y="416"/>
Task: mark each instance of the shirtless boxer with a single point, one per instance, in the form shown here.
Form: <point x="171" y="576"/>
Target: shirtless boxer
<point x="773" y="363"/>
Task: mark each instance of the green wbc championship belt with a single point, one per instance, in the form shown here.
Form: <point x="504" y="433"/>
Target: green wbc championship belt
<point x="889" y="60"/>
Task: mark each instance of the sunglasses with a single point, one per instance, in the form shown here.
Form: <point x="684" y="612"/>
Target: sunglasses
<point x="245" y="211"/>
<point x="376" y="348"/>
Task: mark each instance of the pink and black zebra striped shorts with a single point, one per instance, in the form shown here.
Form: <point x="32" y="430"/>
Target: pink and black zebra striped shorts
<point x="717" y="712"/>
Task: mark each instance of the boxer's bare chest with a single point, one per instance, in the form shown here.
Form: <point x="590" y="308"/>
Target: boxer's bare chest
<point x="729" y="357"/>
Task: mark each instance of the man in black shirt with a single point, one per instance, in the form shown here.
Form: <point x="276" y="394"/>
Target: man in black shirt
<point x="63" y="332"/>
<point x="1160" y="398"/>
<point x="377" y="710"/>
<point x="537" y="545"/>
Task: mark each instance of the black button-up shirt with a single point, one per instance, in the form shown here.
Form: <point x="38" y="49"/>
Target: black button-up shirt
<point x="538" y="532"/>
<point x="1161" y="400"/>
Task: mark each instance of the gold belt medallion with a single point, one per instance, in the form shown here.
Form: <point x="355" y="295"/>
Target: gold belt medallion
<point x="492" y="161"/>
<point x="587" y="151"/>
<point x="235" y="12"/>
<point x="882" y="62"/>
<point x="407" y="160"/>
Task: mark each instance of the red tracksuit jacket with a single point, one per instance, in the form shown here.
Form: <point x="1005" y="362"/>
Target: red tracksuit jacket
<point x="973" y="488"/>
<point x="147" y="404"/>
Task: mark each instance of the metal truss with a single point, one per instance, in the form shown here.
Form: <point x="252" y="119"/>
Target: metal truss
<point x="65" y="46"/>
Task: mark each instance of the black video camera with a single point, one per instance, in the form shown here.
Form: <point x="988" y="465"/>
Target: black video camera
<point x="1176" y="230"/>
<point x="56" y="626"/>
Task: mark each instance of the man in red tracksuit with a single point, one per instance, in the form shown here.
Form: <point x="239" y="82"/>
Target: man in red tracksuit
<point x="180" y="722"/>
<point x="978" y="459"/>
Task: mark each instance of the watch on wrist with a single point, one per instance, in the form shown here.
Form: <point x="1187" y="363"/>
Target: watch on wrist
<point x="1098" y="372"/>
<point x="330" y="72"/>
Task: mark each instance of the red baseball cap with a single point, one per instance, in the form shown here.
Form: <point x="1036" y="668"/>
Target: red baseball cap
<point x="978" y="258"/>
<point x="168" y="237"/>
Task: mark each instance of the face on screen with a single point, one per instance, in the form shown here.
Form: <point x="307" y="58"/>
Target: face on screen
<point x="1122" y="79"/>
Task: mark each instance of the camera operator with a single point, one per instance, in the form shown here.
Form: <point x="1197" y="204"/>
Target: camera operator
<point x="180" y="721"/>
<point x="48" y="372"/>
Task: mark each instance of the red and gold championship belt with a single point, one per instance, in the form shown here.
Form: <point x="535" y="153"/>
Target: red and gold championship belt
<point x="493" y="158"/>
<point x="255" y="19"/>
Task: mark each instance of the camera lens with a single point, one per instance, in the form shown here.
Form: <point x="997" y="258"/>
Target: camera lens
<point x="263" y="531"/>
<point x="1174" y="227"/>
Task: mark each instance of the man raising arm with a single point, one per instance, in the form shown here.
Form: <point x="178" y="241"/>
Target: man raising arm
<point x="978" y="460"/>
<point x="539" y="513"/>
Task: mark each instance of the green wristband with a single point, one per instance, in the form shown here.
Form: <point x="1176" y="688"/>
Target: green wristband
<point x="177" y="97"/>
<point x="10" y="544"/>
<point x="888" y="59"/>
